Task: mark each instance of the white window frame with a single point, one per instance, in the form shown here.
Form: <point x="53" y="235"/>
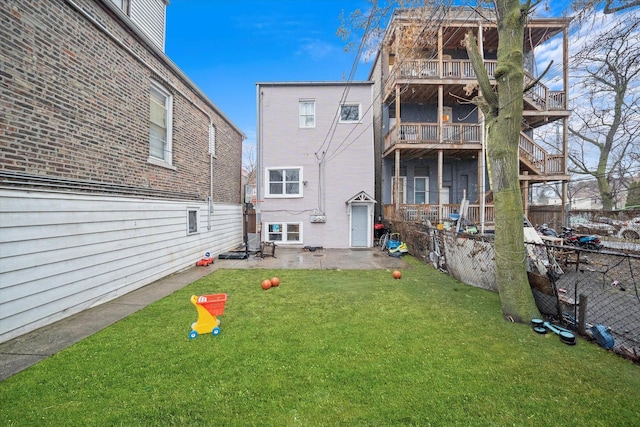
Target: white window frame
<point x="426" y="189"/>
<point x="283" y="195"/>
<point x="403" y="189"/>
<point x="351" y="120"/>
<point x="122" y="5"/>
<point x="192" y="226"/>
<point x="166" y="160"/>
<point x="303" y="114"/>
<point x="284" y="232"/>
<point x="212" y="140"/>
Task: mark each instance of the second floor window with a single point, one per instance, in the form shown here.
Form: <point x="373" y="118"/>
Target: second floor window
<point x="307" y="110"/>
<point x="349" y="113"/>
<point x="160" y="124"/>
<point x="284" y="182"/>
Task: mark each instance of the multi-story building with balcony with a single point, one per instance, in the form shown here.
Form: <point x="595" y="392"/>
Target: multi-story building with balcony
<point x="429" y="136"/>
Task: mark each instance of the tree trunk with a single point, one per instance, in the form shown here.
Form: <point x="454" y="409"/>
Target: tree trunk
<point x="503" y="117"/>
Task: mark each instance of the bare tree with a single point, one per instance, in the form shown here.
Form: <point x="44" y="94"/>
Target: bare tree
<point x="249" y="162"/>
<point x="608" y="6"/>
<point x="605" y="124"/>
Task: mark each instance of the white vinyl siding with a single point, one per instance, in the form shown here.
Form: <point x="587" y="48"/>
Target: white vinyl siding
<point x="92" y="249"/>
<point x="150" y="16"/>
<point x="348" y="169"/>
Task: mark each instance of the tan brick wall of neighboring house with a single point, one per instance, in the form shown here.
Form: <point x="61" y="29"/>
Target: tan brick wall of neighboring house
<point x="74" y="104"/>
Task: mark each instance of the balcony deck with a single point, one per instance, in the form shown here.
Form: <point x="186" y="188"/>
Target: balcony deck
<point x="460" y="71"/>
<point x="414" y="139"/>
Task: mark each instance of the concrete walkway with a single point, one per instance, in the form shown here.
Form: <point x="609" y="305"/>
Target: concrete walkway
<point x="26" y="350"/>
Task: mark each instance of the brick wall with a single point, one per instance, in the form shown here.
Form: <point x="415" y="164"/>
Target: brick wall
<point x="75" y="105"/>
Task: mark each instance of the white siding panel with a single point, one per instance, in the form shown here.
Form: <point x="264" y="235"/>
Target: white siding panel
<point x="149" y="15"/>
<point x="61" y="253"/>
<point x="349" y="165"/>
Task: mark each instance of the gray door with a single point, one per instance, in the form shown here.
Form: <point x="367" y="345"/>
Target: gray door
<point x="359" y="231"/>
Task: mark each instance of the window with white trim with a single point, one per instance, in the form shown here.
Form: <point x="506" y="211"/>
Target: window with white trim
<point x="212" y="140"/>
<point x="284" y="182"/>
<point x="307" y="112"/>
<point x="121" y="4"/>
<point x="192" y="220"/>
<point x="420" y="189"/>
<point x="349" y="113"/>
<point x="284" y="232"/>
<point x="161" y="105"/>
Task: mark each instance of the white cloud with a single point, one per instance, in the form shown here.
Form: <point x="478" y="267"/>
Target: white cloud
<point x="316" y="49"/>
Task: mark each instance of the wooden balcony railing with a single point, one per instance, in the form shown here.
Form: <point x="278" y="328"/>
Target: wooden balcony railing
<point x="435" y="215"/>
<point x="533" y="154"/>
<point x="429" y="133"/>
<point x="542" y="97"/>
<point x="538" y="158"/>
<point x="426" y="69"/>
<point x="451" y="68"/>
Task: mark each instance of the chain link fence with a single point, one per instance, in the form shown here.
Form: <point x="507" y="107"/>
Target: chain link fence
<point x="586" y="291"/>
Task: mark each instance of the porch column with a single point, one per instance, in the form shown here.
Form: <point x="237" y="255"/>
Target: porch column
<point x="396" y="184"/>
<point x="398" y="135"/>
<point x="525" y="194"/>
<point x="440" y="158"/>
<point x="396" y="181"/>
<point x="481" y="155"/>
<point x="564" y="214"/>
<point x="440" y="106"/>
<point x="440" y="70"/>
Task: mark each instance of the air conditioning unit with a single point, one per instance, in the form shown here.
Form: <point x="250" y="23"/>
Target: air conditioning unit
<point x="317" y="218"/>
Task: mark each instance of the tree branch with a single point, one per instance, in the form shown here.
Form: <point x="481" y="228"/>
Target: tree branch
<point x="536" y="81"/>
<point x="490" y="97"/>
<point x="610" y="9"/>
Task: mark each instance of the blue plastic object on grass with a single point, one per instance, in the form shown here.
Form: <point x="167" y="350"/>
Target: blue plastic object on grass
<point x="602" y="336"/>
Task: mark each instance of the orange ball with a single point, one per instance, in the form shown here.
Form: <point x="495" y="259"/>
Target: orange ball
<point x="275" y="281"/>
<point x="397" y="275"/>
<point x="266" y="284"/>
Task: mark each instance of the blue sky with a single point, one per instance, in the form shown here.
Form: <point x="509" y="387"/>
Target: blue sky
<point x="226" y="47"/>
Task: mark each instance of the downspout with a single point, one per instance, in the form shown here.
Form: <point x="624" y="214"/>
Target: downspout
<point x="259" y="96"/>
<point x="210" y="201"/>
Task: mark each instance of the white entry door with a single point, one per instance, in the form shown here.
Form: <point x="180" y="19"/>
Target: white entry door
<point x="359" y="226"/>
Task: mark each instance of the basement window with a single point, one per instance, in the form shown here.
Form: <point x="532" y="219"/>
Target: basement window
<point x="192" y="220"/>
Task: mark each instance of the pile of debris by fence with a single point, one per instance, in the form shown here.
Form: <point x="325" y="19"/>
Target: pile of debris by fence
<point x="594" y="293"/>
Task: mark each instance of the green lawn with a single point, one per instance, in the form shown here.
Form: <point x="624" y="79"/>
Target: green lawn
<point x="349" y="348"/>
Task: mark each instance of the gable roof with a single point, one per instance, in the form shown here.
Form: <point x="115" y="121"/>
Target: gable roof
<point x="361" y="197"/>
